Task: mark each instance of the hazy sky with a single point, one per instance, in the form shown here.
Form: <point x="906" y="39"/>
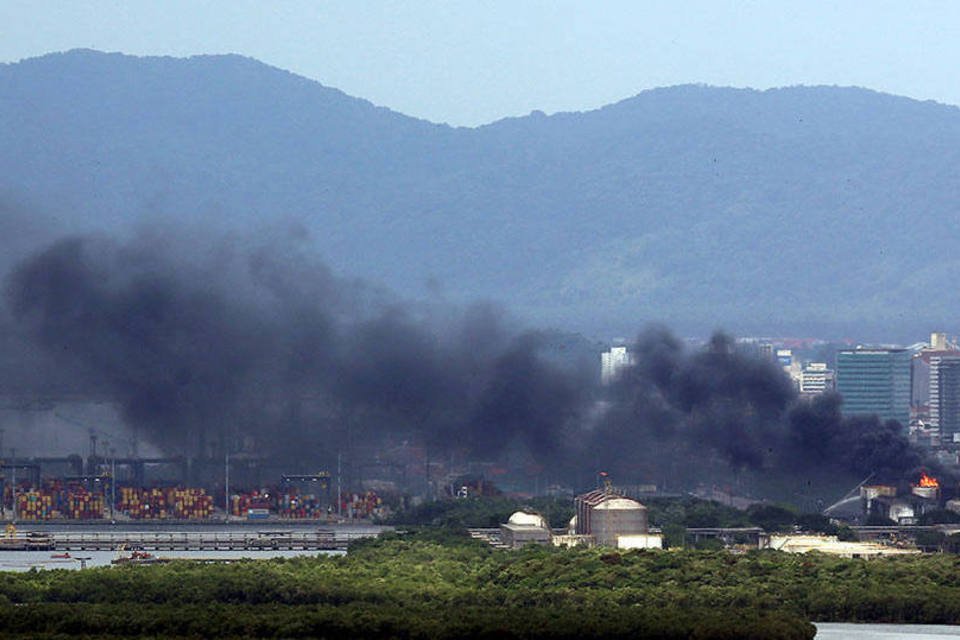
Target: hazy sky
<point x="474" y="62"/>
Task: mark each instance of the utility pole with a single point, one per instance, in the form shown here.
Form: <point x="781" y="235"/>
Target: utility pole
<point x="13" y="462"/>
<point x="3" y="487"/>
<point x="113" y="480"/>
<point x="226" y="487"/>
<point x="426" y="449"/>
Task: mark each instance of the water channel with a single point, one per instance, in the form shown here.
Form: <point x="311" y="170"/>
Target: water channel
<point x="847" y="631"/>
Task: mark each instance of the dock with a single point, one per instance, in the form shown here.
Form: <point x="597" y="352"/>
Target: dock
<point x="31" y="542"/>
<point x="317" y="540"/>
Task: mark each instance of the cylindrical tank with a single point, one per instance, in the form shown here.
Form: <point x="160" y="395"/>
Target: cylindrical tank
<point x="617" y="517"/>
<point x="871" y="492"/>
<point x="931" y="493"/>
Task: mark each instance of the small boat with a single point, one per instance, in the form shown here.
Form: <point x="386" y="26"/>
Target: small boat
<point x="61" y="556"/>
<point x="138" y="557"/>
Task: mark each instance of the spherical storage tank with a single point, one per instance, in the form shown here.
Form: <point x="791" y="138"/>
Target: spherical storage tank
<point x="617" y="517"/>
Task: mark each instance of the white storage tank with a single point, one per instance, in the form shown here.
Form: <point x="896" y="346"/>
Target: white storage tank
<point x="525" y="528"/>
<point x="617" y="516"/>
<point x="524" y="518"/>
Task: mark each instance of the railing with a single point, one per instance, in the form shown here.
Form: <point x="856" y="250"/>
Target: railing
<point x="204" y="540"/>
<point x="25" y="541"/>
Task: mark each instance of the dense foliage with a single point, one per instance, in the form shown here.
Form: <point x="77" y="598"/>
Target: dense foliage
<point x="694" y="512"/>
<point x="676" y="203"/>
<point x="483" y="511"/>
<point x="442" y="585"/>
<point x="423" y="586"/>
<point x="672" y="515"/>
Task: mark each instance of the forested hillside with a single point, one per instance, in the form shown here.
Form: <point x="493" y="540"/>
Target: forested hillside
<point x="811" y="209"/>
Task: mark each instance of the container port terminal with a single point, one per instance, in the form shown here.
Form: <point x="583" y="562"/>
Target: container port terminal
<point x="98" y="489"/>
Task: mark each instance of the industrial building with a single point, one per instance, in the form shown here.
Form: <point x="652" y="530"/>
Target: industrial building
<point x="607" y="518"/>
<point x="903" y="508"/>
<point x="875" y="381"/>
<point x="525" y="528"/>
<point x="796" y="543"/>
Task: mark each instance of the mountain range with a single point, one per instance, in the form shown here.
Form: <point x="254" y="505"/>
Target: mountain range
<point x="824" y="211"/>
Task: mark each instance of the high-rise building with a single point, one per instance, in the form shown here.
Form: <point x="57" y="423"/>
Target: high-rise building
<point x="613" y="362"/>
<point x="816" y="378"/>
<point x="945" y="396"/>
<point x="935" y="394"/>
<point x="940" y="342"/>
<point x="875" y="381"/>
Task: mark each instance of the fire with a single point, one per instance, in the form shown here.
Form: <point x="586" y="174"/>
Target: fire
<point x="927" y="481"/>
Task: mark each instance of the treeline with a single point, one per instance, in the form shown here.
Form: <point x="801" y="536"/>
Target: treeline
<point x="672" y="515"/>
<point x="414" y="622"/>
<point x="442" y="584"/>
<point x="486" y="511"/>
<point x="431" y="585"/>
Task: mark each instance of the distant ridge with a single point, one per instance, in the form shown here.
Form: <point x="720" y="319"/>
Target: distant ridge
<point x="806" y="209"/>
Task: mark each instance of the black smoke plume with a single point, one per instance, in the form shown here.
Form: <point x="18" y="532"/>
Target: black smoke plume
<point x="821" y="436"/>
<point x="236" y="345"/>
<point x="698" y="416"/>
<point x="688" y="413"/>
<point x="262" y="347"/>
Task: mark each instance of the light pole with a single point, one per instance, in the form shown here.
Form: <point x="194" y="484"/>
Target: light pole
<point x="113" y="481"/>
<point x="13" y="463"/>
<point x="226" y="487"/>
<point x="3" y="491"/>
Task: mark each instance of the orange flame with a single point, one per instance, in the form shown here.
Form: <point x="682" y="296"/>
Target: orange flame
<point x="927" y="481"/>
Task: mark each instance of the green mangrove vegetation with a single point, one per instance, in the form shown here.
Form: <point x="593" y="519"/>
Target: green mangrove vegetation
<point x="673" y="515"/>
<point x="440" y="584"/>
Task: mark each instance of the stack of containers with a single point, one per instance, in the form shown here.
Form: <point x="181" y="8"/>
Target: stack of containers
<point x="56" y="501"/>
<point x="31" y="506"/>
<point x="143" y="504"/>
<point x="190" y="504"/>
<point x="306" y="506"/>
<point x="57" y="496"/>
<point x="171" y="502"/>
<point x="242" y="503"/>
<point x="362" y="505"/>
<point x="129" y="501"/>
<point x="84" y="505"/>
<point x="287" y="504"/>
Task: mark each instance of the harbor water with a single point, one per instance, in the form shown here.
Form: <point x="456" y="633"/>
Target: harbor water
<point x="848" y="631"/>
<point x="27" y="560"/>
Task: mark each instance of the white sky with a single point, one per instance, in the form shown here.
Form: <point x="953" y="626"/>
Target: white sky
<point x="473" y="62"/>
